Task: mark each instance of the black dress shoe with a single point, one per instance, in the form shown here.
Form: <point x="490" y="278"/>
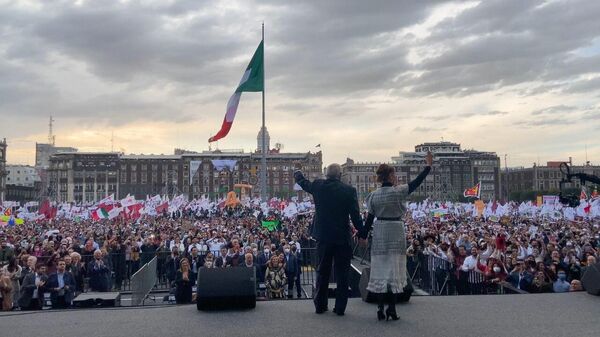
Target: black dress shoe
<point x="338" y="313"/>
<point x="391" y="314"/>
<point x="321" y="310"/>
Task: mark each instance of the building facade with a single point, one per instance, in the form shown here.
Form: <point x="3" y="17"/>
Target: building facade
<point x="83" y="177"/>
<point x="453" y="171"/>
<point x="541" y="178"/>
<point x="22" y="175"/>
<point x="3" y="173"/>
<point x="44" y="151"/>
<point x="23" y="194"/>
<point x="485" y="168"/>
<point x="362" y="176"/>
<point x="89" y="177"/>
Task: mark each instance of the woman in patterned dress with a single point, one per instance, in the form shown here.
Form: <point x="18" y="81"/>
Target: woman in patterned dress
<point x="275" y="278"/>
<point x="388" y="248"/>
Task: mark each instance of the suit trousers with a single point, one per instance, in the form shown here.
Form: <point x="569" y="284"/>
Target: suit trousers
<point x="340" y="256"/>
<point x="60" y="302"/>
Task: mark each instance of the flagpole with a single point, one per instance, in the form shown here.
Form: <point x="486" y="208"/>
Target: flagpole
<point x="263" y="166"/>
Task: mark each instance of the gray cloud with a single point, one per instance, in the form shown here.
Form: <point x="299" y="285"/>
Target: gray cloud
<point x="425" y="129"/>
<point x="113" y="62"/>
<point x="544" y="122"/>
<point x="486" y="113"/>
<point x="499" y="43"/>
<point x="557" y="109"/>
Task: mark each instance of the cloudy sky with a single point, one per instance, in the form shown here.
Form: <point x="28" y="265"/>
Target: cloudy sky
<point x="365" y="79"/>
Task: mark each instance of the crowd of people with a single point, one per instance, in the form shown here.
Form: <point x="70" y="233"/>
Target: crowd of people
<point x="473" y="255"/>
<point x="63" y="257"/>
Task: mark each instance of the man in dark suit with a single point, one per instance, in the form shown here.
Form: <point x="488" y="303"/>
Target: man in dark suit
<point x="32" y="290"/>
<point x="292" y="267"/>
<point x="98" y="273"/>
<point x="221" y="261"/>
<point x="519" y="277"/>
<point x="261" y="263"/>
<point x="196" y="262"/>
<point x="335" y="203"/>
<point x="298" y="270"/>
<point x="61" y="286"/>
<point x="172" y="265"/>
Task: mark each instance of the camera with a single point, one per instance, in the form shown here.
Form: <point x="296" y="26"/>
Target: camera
<point x="572" y="200"/>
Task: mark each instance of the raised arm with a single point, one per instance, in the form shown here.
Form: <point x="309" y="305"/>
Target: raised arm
<point x="413" y="185"/>
<point x="302" y="181"/>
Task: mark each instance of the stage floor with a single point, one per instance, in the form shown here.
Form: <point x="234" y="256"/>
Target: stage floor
<point x="576" y="314"/>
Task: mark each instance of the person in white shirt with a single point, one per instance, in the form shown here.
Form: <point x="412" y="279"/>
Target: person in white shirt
<point x="470" y="262"/>
<point x="177" y="243"/>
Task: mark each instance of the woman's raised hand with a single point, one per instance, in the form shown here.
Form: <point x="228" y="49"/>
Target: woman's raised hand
<point x="429" y="158"/>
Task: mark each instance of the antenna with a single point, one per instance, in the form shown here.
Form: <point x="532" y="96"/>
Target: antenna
<point x="51" y="137"/>
<point x="586" y="158"/>
<point x="112" y="141"/>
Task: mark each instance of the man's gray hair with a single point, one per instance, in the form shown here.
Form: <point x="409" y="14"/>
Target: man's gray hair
<point x="334" y="171"/>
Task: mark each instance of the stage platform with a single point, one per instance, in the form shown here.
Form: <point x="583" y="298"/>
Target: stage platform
<point x="575" y="314"/>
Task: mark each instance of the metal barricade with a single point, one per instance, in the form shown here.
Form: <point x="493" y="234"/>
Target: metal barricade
<point x="143" y="281"/>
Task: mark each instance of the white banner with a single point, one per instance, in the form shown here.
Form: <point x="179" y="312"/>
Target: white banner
<point x="128" y="201"/>
<point x="221" y="164"/>
<point x="194" y="166"/>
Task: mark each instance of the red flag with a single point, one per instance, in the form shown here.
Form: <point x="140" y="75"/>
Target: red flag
<point x="583" y="195"/>
<point x="162" y="207"/>
<point x="44" y="207"/>
<point x="134" y="211"/>
<point x="473" y="192"/>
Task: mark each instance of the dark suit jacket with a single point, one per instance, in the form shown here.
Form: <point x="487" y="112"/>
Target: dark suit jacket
<point x="525" y="282"/>
<point x="235" y="260"/>
<point x="261" y="266"/>
<point x="219" y="262"/>
<point x="292" y="265"/>
<point x="99" y="276"/>
<point x="199" y="261"/>
<point x="335" y="203"/>
<point x="52" y="283"/>
<point x="27" y="290"/>
<point x="172" y="266"/>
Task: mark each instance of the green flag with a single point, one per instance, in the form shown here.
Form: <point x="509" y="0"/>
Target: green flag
<point x="254" y="76"/>
<point x="271" y="225"/>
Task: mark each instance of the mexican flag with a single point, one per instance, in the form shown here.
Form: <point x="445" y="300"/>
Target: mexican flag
<point x="99" y="213"/>
<point x="252" y="81"/>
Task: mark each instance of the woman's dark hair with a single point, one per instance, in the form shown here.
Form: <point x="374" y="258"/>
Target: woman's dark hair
<point x="383" y="173"/>
<point x="12" y="264"/>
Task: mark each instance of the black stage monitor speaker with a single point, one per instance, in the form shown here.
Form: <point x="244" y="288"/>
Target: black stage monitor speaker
<point x="97" y="299"/>
<point x="369" y="297"/>
<point x="226" y="288"/>
<point x="591" y="279"/>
